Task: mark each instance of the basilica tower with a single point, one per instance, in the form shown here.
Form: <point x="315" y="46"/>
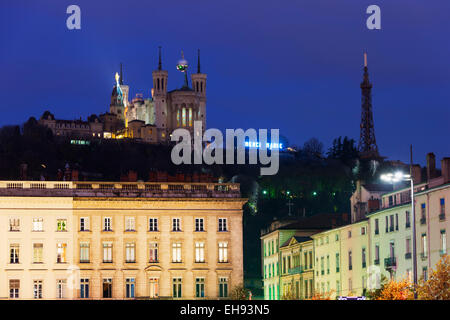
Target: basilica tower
<point x="199" y="86"/>
<point x="159" y="94"/>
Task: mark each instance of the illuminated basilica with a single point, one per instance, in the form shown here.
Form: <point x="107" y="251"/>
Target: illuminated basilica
<point x="150" y="120"/>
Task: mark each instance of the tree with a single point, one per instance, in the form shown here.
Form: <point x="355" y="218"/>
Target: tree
<point x="289" y="295"/>
<point x="322" y="296"/>
<point x="376" y="293"/>
<point x="393" y="290"/>
<point x="239" y="293"/>
<point x="313" y="147"/>
<point x="437" y="287"/>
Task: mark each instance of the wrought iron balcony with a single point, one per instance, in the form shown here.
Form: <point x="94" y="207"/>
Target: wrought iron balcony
<point x="390" y="262"/>
<point x="442" y="217"/>
<point x="423" y="220"/>
<point x="296" y="270"/>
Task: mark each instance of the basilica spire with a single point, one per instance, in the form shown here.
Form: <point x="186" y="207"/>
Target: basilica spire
<point x="198" y="62"/>
<point x="121" y="74"/>
<point x="159" y="60"/>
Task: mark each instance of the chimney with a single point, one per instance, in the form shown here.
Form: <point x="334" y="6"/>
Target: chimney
<point x="431" y="166"/>
<point x="416" y="173"/>
<point x="445" y="168"/>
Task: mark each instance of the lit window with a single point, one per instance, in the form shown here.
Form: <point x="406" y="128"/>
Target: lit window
<point x="223" y="251"/>
<point x="14" y="253"/>
<point x="153" y="252"/>
<point x="84" y="224"/>
<point x="107" y="252"/>
<point x="61" y="252"/>
<point x="37" y="252"/>
<point x="130" y="224"/>
<point x="176" y="252"/>
<point x="38" y="224"/>
<point x="130" y="249"/>
<point x="14" y="224"/>
<point x="60" y="289"/>
<point x="61" y="225"/>
<point x="199" y="252"/>
<point x="84" y="252"/>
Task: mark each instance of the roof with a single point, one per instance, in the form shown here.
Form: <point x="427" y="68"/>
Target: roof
<point x="318" y="222"/>
<point x="382" y="187"/>
<point x="298" y="239"/>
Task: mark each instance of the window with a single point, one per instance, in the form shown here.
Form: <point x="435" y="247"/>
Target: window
<point x="14" y="286"/>
<point x="363" y="231"/>
<point x="154" y="287"/>
<point x="129" y="287"/>
<point x="61" y="225"/>
<point x="363" y="257"/>
<point x="107" y="252"/>
<point x="349" y="233"/>
<point x="377" y="254"/>
<point x="199" y="224"/>
<point x="442" y="209"/>
<point x="407" y="219"/>
<point x="107" y="288"/>
<point x="396" y="221"/>
<point x="37" y="252"/>
<point x="223" y="226"/>
<point x="84" y="288"/>
<point x="223" y="252"/>
<point x="328" y="264"/>
<point x="424" y="245"/>
<point x="176" y="252"/>
<point x="199" y="252"/>
<point x="337" y="262"/>
<point x="377" y="226"/>
<point x="130" y="224"/>
<point x="176" y="224"/>
<point x="387" y="224"/>
<point x="14" y="253"/>
<point x="336" y="237"/>
<point x="425" y="273"/>
<point x="350" y="260"/>
<point x="60" y="288"/>
<point x="130" y="252"/>
<point x="350" y="285"/>
<point x="153" y="224"/>
<point x="37" y="289"/>
<point x="408" y="248"/>
<point x="107" y="224"/>
<point x="338" y="288"/>
<point x="223" y="287"/>
<point x="200" y="287"/>
<point x="84" y="224"/>
<point x="153" y="252"/>
<point x="38" y="224"/>
<point x="322" y="265"/>
<point x="391" y="227"/>
<point x="84" y="252"/>
<point x="176" y="288"/>
<point x="443" y="242"/>
<point x="14" y="224"/>
<point x="423" y="217"/>
<point x="61" y="253"/>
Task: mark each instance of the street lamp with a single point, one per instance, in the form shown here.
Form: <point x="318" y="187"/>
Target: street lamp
<point x="397" y="177"/>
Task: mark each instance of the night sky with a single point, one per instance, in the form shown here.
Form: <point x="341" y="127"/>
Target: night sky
<point x="295" y="65"/>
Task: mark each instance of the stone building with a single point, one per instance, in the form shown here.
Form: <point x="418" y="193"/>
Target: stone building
<point x="109" y="240"/>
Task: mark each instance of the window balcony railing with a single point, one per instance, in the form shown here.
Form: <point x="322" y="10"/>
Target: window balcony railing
<point x="377" y="231"/>
<point x="337" y="269"/>
<point x="407" y="225"/>
<point x="296" y="270"/>
<point x="442" y="217"/>
<point x="390" y="262"/>
<point x="423" y="255"/>
<point x="423" y="220"/>
<point x="364" y="265"/>
<point x="408" y="255"/>
<point x="391" y="229"/>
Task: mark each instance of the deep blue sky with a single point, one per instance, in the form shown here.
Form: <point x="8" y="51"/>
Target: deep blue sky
<point x="295" y="65"/>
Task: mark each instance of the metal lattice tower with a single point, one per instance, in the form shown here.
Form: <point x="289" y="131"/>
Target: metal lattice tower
<point x="367" y="143"/>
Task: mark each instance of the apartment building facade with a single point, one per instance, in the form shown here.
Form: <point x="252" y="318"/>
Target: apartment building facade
<point x="120" y="240"/>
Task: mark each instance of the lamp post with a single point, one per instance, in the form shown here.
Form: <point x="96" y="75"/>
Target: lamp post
<point x="399" y="176"/>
